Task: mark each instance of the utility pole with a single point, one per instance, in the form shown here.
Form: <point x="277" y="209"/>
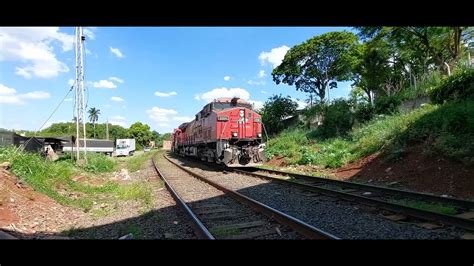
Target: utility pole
<point x="107" y="128"/>
<point x="79" y="100"/>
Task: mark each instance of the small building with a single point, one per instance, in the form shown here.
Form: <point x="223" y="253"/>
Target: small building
<point x="167" y="145"/>
<point x="8" y="138"/>
<point x="29" y="144"/>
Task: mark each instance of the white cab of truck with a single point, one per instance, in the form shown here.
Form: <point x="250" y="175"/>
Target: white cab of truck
<point x="125" y="147"/>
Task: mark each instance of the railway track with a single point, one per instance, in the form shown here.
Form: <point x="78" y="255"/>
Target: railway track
<point x="220" y="213"/>
<point x="380" y="197"/>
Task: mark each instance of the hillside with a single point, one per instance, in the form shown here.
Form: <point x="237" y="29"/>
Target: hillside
<point x="430" y="149"/>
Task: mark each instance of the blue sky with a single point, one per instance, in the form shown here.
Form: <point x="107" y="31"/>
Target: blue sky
<point x="160" y="76"/>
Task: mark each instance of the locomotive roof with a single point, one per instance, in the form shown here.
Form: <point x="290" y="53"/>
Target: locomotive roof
<point x="228" y="100"/>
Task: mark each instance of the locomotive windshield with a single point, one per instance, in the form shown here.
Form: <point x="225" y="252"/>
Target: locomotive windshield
<point x="222" y="106"/>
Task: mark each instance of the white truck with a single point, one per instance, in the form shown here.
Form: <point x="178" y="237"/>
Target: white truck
<point x="125" y="147"/>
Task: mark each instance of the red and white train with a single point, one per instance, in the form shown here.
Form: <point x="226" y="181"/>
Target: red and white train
<point x="226" y="131"/>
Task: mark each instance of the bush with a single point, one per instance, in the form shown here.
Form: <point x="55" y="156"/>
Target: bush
<point x="458" y="87"/>
<point x="338" y="120"/>
<point x="423" y="86"/>
<point x="287" y="144"/>
<point x="99" y="163"/>
<point x="387" y="104"/>
<point x="364" y="112"/>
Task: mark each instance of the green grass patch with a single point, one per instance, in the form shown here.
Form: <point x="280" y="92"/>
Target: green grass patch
<point x="421" y="205"/>
<point x="99" y="213"/>
<point x="99" y="163"/>
<point x="138" y="191"/>
<point x="135" y="230"/>
<point x="136" y="162"/>
<point x="54" y="179"/>
<point x="224" y="232"/>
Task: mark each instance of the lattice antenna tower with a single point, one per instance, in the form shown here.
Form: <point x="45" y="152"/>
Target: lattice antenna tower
<point x="79" y="96"/>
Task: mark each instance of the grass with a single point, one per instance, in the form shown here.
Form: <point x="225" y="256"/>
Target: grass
<point x="446" y="129"/>
<point x="137" y="191"/>
<point x="55" y="179"/>
<point x="136" y="162"/>
<point x="135" y="230"/>
<point x="223" y="232"/>
<point x="102" y="212"/>
<point x="434" y="207"/>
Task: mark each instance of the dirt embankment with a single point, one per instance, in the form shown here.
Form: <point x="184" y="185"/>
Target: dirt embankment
<point x="415" y="170"/>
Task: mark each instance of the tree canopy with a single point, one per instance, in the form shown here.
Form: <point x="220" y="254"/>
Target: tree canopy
<point x="275" y="109"/>
<point x="141" y="133"/>
<point x="319" y="63"/>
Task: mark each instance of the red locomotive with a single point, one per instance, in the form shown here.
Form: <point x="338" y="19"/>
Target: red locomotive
<point x="226" y="130"/>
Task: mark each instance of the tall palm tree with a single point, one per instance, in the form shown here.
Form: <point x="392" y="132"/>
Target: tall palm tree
<point x="94" y="116"/>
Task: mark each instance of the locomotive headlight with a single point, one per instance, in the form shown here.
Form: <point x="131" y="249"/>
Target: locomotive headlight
<point x="234" y="134"/>
<point x="259" y="135"/>
<point x="241" y="113"/>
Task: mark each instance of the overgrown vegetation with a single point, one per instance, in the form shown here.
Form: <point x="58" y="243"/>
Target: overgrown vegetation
<point x="458" y="87"/>
<point x="449" y="129"/>
<point x="394" y="70"/>
<point x="338" y="120"/>
<point x="55" y="178"/>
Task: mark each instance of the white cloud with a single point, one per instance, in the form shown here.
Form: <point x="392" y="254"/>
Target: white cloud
<point x="261" y="73"/>
<point x="119" y="80"/>
<point x="89" y="32"/>
<point x="70" y="82"/>
<point x="165" y="94"/>
<point x="256" y="104"/>
<point x="33" y="48"/>
<point x="263" y="92"/>
<point x="227" y="78"/>
<point x="116" y="52"/>
<point x="104" y="84"/>
<point x="274" y="57"/>
<point x="251" y="82"/>
<point x="37" y="95"/>
<point x="118" y="123"/>
<point x="117" y="117"/>
<point x="88" y="51"/>
<point x="228" y="93"/>
<point x="183" y="118"/>
<point x="164" y="125"/>
<point x="166" y="119"/>
<point x="118" y="120"/>
<point x="158" y="114"/>
<point x="10" y="96"/>
<point x="4" y="90"/>
<point x="223" y="92"/>
<point x="117" y="99"/>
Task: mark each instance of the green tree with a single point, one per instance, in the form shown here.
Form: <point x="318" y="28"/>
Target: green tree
<point x="141" y="133"/>
<point x="338" y="119"/>
<point x="275" y="109"/>
<point x="425" y="45"/>
<point x="166" y="136"/>
<point x="319" y="63"/>
<point x="94" y="116"/>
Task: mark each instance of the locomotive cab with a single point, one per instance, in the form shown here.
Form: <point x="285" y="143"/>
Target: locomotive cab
<point x="226" y="130"/>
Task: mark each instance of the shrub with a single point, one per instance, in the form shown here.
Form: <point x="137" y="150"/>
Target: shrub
<point x="338" y="120"/>
<point x="364" y="112"/>
<point x="99" y="163"/>
<point x="458" y="87"/>
<point x="387" y="104"/>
